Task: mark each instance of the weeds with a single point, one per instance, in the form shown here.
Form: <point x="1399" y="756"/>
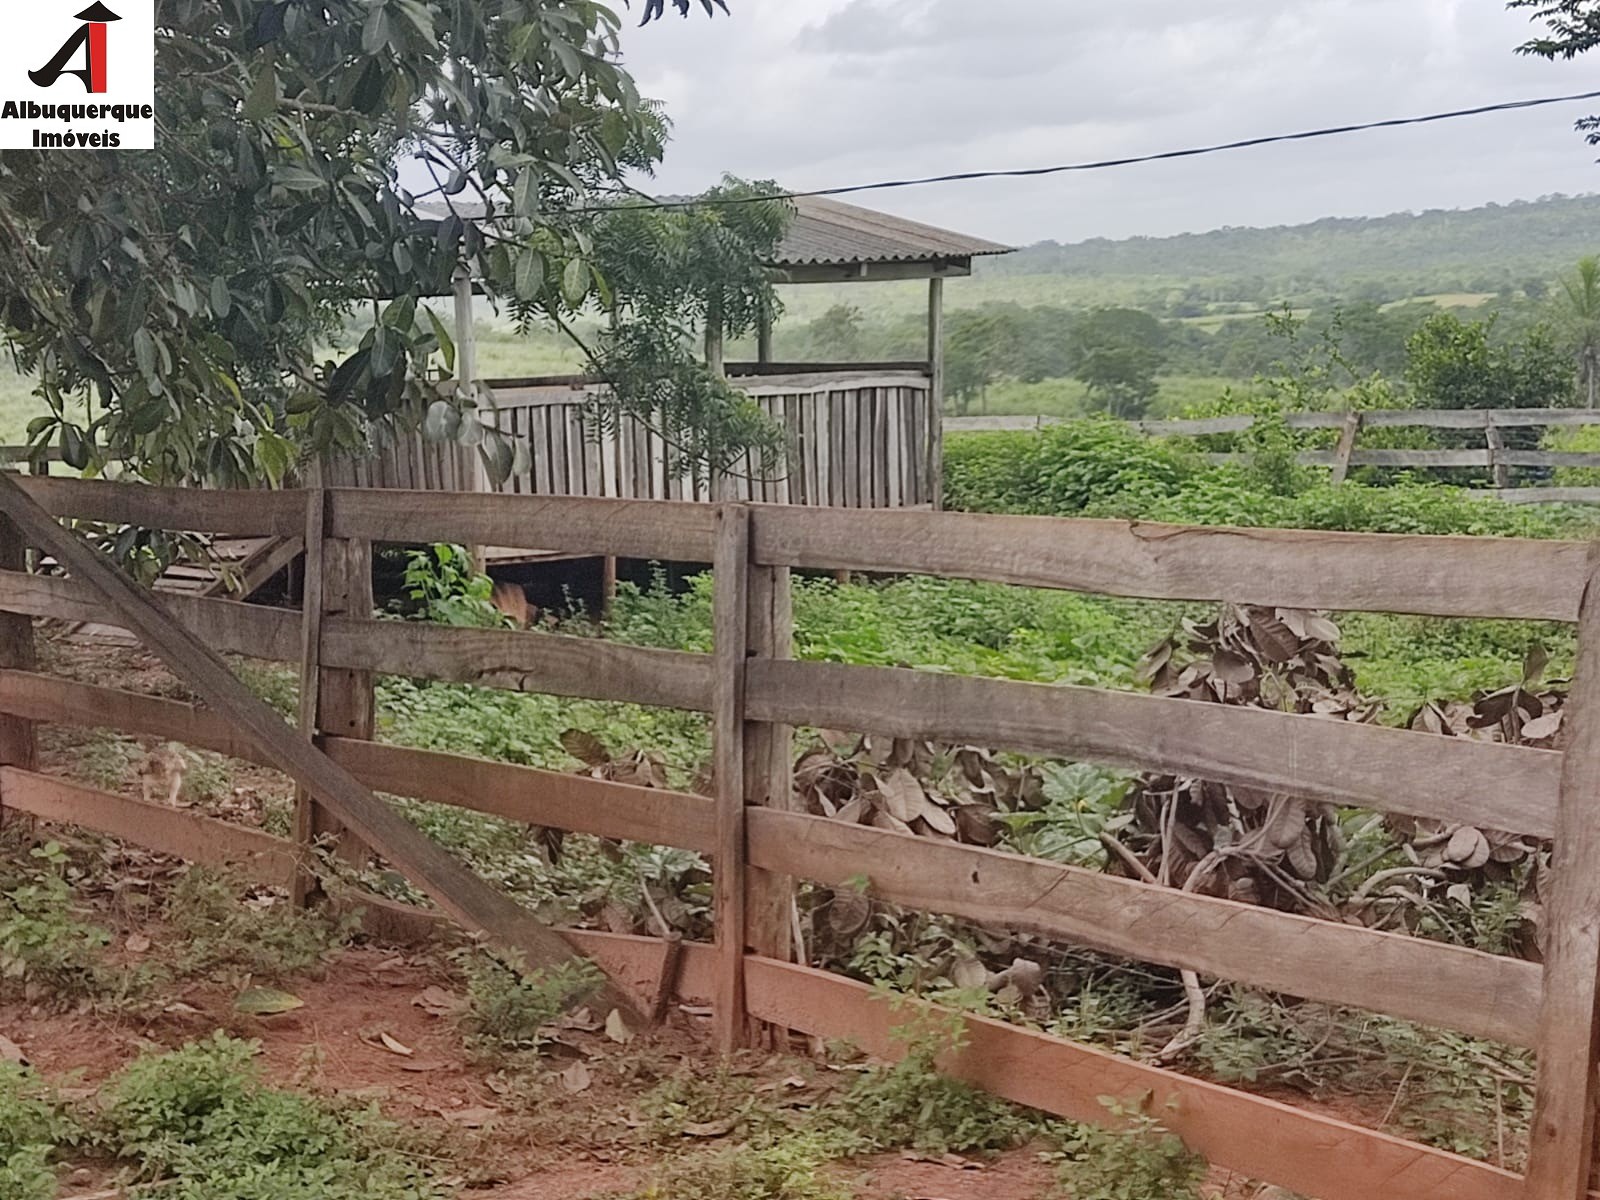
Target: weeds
<point x="221" y="937"/>
<point x="202" y="1121"/>
<point x="46" y="952"/>
<point x="791" y="1169"/>
<point x="509" y="1007"/>
<point x="1139" y="1158"/>
<point x="912" y="1105"/>
<point x="33" y="1129"/>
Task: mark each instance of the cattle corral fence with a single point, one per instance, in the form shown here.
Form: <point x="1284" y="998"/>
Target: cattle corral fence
<point x="1492" y="422"/>
<point x="759" y="839"/>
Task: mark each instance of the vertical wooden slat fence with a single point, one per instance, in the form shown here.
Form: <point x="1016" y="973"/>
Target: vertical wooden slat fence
<point x="760" y="838"/>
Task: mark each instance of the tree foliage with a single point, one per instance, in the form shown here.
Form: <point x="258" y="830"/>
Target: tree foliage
<point x="1456" y="364"/>
<point x="1116" y="353"/>
<point x="1579" y="313"/>
<point x="1574" y="29"/>
<point x="171" y="301"/>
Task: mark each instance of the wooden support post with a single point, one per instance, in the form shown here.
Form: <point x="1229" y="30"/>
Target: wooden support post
<point x="1496" y="439"/>
<point x="1347" y="445"/>
<point x="730" y="574"/>
<point x="936" y="392"/>
<point x="306" y="886"/>
<point x="346" y="703"/>
<point x="608" y="585"/>
<point x="769" y="765"/>
<point x="17" y="743"/>
<point x="1561" y="1138"/>
<point x="764" y="337"/>
<point x="714" y="336"/>
<point x="460" y="892"/>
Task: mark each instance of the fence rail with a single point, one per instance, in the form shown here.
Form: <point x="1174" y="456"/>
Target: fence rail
<point x="1495" y="456"/>
<point x="757" y="841"/>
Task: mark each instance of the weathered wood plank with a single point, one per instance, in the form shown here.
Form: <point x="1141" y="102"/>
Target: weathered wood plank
<point x="185" y="835"/>
<point x="38" y="697"/>
<point x="1561" y="1136"/>
<point x="769" y="762"/>
<point x="1338" y="762"/>
<point x="1435" y="576"/>
<point x="230" y="626"/>
<point x="241" y="513"/>
<point x="730" y="607"/>
<point x="1481" y="994"/>
<point x="1542" y="495"/>
<point x="522" y="661"/>
<point x="305" y="885"/>
<point x="1258" y="1138"/>
<point x="572" y="524"/>
<point x="18" y="747"/>
<point x="575" y="803"/>
<point x="453" y="887"/>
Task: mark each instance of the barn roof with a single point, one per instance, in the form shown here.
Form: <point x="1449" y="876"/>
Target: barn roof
<point x="826" y="232"/>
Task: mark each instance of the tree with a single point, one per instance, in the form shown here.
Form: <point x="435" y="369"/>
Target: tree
<point x="184" y="289"/>
<point x="1457" y="364"/>
<point x="836" y="334"/>
<point x="1574" y="29"/>
<point x="1117" y="352"/>
<point x="1580" y="318"/>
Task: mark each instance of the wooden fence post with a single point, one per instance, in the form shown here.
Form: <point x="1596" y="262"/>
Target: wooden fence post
<point x="305" y="887"/>
<point x="1561" y="1138"/>
<point x="17" y="744"/>
<point x="769" y="764"/>
<point x="1347" y="445"/>
<point x="341" y="702"/>
<point x="1496" y="440"/>
<point x="730" y="573"/>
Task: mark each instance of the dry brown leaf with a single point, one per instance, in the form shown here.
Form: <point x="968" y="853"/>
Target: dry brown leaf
<point x="137" y="943"/>
<point x="902" y="795"/>
<point x="395" y="1046"/>
<point x="617" y="1028"/>
<point x="437" y="1002"/>
<point x="577" y="1077"/>
<point x="11" y="1052"/>
<point x="585" y="747"/>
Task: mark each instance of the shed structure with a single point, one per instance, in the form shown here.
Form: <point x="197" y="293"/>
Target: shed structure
<point x="859" y="435"/>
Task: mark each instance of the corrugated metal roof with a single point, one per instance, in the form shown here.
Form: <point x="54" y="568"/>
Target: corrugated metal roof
<point x="828" y="232"/>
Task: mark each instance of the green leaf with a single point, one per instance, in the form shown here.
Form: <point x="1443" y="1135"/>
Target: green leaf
<point x="375" y="34"/>
<point x="575" y="282"/>
<point x="529" y="280"/>
<point x="442" y="422"/>
<point x="266" y="1002"/>
<point x="221" y="298"/>
<point x="274" y="455"/>
<point x="447" y="347"/>
<point x="144" y="352"/>
<point x="297" y="179"/>
<point x="262" y="101"/>
<point x="74" y="447"/>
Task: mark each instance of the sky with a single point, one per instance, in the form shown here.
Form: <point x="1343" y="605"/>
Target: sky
<point x="814" y="93"/>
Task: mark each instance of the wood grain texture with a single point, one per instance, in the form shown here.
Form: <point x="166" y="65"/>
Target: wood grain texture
<point x="1258" y="1138"/>
<point x="182" y="834"/>
<point x="18" y="746"/>
<point x="575" y="803"/>
<point x="518" y="660"/>
<point x="1436" y="984"/>
<point x="312" y="608"/>
<point x="229" y="626"/>
<point x="451" y="885"/>
<point x="1433" y="576"/>
<point x="1340" y="762"/>
<point x="661" y="529"/>
<point x="241" y="513"/>
<point x="769" y="762"/>
<point x="1561" y="1136"/>
<point x="730" y="603"/>
<point x="38" y="697"/>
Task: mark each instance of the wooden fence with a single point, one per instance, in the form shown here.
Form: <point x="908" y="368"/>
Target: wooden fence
<point x="1495" y="456"/>
<point x="758" y="837"/>
<point x="856" y="437"/>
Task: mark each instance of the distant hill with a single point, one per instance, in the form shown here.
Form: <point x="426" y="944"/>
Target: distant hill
<point x="1466" y="250"/>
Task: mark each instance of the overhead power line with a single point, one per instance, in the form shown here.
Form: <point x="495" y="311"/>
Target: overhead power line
<point x="1134" y="160"/>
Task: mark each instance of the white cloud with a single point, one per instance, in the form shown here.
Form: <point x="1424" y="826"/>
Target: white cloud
<point x="844" y="91"/>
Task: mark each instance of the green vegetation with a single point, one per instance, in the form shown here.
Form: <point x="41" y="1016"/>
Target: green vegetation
<point x="1136" y="1158"/>
<point x="47" y="954"/>
<point x="222" y="938"/>
<point x="509" y="1007"/>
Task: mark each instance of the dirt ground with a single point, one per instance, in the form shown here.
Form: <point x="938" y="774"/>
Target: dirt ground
<point x="530" y="1137"/>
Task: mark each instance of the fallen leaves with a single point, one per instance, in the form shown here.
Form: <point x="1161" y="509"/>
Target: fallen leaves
<point x="266" y="1002"/>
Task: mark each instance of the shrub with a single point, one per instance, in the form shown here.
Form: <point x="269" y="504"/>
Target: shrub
<point x="33" y="1126"/>
<point x="45" y="951"/>
<point x="1137" y="1160"/>
<point x="222" y="936"/>
<point x="202" y="1118"/>
<point x="509" y="1007"/>
<point x="792" y="1169"/>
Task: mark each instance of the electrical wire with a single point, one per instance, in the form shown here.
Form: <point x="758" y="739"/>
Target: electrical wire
<point x="1132" y="160"/>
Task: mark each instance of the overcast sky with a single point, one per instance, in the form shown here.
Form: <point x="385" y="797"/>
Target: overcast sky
<point x="821" y="92"/>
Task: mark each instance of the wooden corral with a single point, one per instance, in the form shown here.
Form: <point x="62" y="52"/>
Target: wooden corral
<point x="757" y="837"/>
<point x="857" y="436"/>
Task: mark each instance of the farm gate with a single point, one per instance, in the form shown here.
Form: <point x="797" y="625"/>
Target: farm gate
<point x="758" y="839"/>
